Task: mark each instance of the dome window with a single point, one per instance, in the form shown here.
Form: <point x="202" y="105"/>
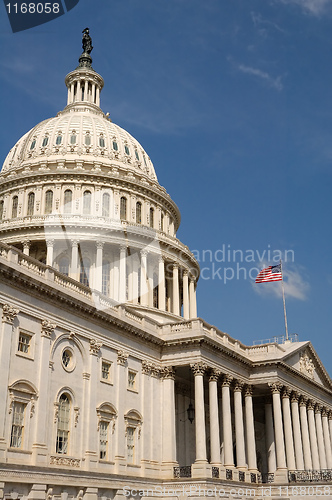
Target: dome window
<point x="115" y="146"/>
<point x="87" y="140"/>
<point x="45" y="142"/>
<point x="86" y="202"/>
<point x="33" y="144"/>
<point x="136" y="154"/>
<point x="1" y="209"/>
<point x="123" y="208"/>
<point x="68" y="198"/>
<point x="144" y="160"/>
<point x="106" y="205"/>
<point x="73" y="139"/>
<point x="48" y="202"/>
<point x="31" y="203"/>
<point x="151" y="217"/>
<point x="138" y="212"/>
<point x="101" y="142"/>
<point x="127" y="150"/>
<point x="14" y="207"/>
<point x="58" y="140"/>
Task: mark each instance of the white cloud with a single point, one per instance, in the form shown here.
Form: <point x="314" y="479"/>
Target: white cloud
<point x="270" y="80"/>
<point x="295" y="284"/>
<point x="315" y="7"/>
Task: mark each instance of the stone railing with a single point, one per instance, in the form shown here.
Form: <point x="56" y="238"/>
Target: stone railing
<point x="310" y="476"/>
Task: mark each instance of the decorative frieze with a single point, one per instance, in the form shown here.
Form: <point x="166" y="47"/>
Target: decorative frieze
<point x="95" y="346"/>
<point x="9" y="313"/>
<point x="69" y="462"/>
<point x="47" y="328"/>
<point x="122" y="357"/>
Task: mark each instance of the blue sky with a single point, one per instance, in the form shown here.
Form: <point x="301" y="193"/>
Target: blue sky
<point x="232" y="101"/>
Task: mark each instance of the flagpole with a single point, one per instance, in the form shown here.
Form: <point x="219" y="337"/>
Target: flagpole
<point x="283" y="299"/>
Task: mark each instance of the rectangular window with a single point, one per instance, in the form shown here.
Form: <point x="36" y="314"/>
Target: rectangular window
<point x="131" y="380"/>
<point x="103" y="440"/>
<point x="106" y="370"/>
<point x="24" y="341"/>
<point x="131" y="445"/>
<point x="17" y="425"/>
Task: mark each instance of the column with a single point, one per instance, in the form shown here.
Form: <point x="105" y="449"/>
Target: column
<point x="176" y="291"/>
<point x="313" y="436"/>
<point x="239" y="429"/>
<point x="93" y="93"/>
<point x="278" y="430"/>
<point x="49" y="255"/>
<point x="98" y="96"/>
<point x="72" y="96"/>
<point x="297" y="431"/>
<point x="192" y="299"/>
<point x="199" y="370"/>
<point x="123" y="273"/>
<point x="161" y="285"/>
<point x="214" y="417"/>
<point x="86" y="90"/>
<point x="74" y="270"/>
<point x="320" y="437"/>
<point x="41" y="418"/>
<point x="144" y="287"/>
<point x="146" y="403"/>
<point x="289" y="442"/>
<point x="227" y="421"/>
<point x="305" y="434"/>
<point x="185" y="287"/>
<point x="26" y="247"/>
<point x="330" y="424"/>
<point x="99" y="266"/>
<point x="250" y="429"/>
<point x="121" y="387"/>
<point x="135" y="266"/>
<point x="269" y="434"/>
<point x="327" y="440"/>
<point x="9" y="314"/>
<point x="168" y="428"/>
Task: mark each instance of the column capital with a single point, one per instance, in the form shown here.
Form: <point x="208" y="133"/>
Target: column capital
<point x="123" y="248"/>
<point x="146" y="367"/>
<point x="311" y="404"/>
<point x="175" y="266"/>
<point x="286" y="391"/>
<point x="185" y="272"/>
<point x="248" y="390"/>
<point x="9" y="313"/>
<point x="226" y="380"/>
<point x="330" y="414"/>
<point x="275" y="387"/>
<point x="100" y="244"/>
<point x="238" y="385"/>
<point x="161" y="259"/>
<point x="318" y="408"/>
<point x="95" y="346"/>
<point x="214" y="375"/>
<point x="144" y="253"/>
<point x="168" y="372"/>
<point x="47" y="328"/>
<point x="324" y="411"/>
<point x="303" y="401"/>
<point x="198" y="368"/>
<point x="122" y="357"/>
<point x="50" y="242"/>
<point x="74" y="243"/>
<point x="26" y="243"/>
<point x="295" y="397"/>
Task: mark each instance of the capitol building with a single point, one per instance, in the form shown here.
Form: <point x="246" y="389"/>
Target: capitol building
<point x="111" y="387"/>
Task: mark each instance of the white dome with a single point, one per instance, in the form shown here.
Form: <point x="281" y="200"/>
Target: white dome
<point x="80" y="132"/>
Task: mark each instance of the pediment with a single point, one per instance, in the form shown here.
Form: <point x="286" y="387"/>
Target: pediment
<point x="306" y="361"/>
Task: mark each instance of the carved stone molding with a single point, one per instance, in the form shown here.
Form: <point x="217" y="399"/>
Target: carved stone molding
<point x="198" y="368"/>
<point x="275" y="387"/>
<point x="214" y="375"/>
<point x="227" y="380"/>
<point x="47" y="328"/>
<point x="9" y="313"/>
<point x="95" y="346"/>
<point x="307" y="365"/>
<point x="69" y="462"/>
<point x="146" y="367"/>
<point x="168" y="372"/>
<point x="122" y="357"/>
<point x="76" y="415"/>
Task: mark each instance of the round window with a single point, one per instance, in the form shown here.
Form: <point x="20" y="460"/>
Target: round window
<point x="67" y="360"/>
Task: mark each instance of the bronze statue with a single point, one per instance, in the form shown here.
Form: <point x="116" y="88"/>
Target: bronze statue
<point x="86" y="41"/>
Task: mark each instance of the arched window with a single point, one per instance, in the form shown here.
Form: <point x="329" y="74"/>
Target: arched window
<point x="31" y="203"/>
<point x="64" y="265"/>
<point x="106" y="278"/>
<point x="33" y="144"/>
<point x="138" y="212"/>
<point x="161" y="222"/>
<point x="73" y="139"/>
<point x="48" y="202"/>
<point x="85" y="272"/>
<point x="68" y="198"/>
<point x="115" y="146"/>
<point x="14" y="207"/>
<point x="62" y="435"/>
<point x="1" y="208"/>
<point x="151" y="217"/>
<point x="45" y="142"/>
<point x="106" y="205"/>
<point x="87" y="140"/>
<point x="101" y="142"/>
<point x="58" y="140"/>
<point x="123" y="208"/>
<point x="87" y="202"/>
<point x="127" y="150"/>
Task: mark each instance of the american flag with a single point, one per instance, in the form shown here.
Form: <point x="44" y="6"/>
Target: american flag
<point x="271" y="273"/>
